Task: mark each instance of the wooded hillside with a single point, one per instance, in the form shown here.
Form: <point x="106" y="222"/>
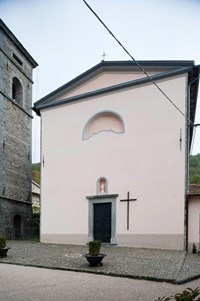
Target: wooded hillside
<point x="194" y="171"/>
<point x="36" y="172"/>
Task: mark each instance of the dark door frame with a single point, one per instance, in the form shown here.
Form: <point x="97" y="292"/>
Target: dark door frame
<point x="107" y="198"/>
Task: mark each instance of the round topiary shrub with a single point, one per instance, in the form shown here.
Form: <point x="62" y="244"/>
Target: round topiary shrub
<point x="94" y="247"/>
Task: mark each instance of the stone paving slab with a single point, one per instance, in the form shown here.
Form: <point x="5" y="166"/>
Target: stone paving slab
<point x="151" y="264"/>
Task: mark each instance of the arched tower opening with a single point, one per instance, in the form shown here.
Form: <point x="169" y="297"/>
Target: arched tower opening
<point x="17" y="93"/>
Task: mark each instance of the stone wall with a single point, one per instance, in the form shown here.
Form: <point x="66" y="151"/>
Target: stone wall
<point x="17" y="153"/>
<point x="9" y="209"/>
<point x="15" y="135"/>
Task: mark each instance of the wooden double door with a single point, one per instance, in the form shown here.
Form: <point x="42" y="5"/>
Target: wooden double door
<point x="102" y="222"/>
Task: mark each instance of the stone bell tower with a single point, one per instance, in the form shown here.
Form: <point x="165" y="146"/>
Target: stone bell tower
<point x="16" y="67"/>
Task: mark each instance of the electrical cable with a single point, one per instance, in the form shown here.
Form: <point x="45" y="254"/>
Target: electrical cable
<point x="193" y="139"/>
<point x="187" y="119"/>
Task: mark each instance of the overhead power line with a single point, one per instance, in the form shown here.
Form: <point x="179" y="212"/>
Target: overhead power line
<point x="141" y="68"/>
<point x="191" y="149"/>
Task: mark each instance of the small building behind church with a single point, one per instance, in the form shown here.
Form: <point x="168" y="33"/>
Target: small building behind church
<point x="16" y="66"/>
<point x="35" y="197"/>
<point x="194" y="216"/>
<point x="115" y="152"/>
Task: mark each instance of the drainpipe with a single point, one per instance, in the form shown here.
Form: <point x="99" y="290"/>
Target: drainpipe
<point x="187" y="172"/>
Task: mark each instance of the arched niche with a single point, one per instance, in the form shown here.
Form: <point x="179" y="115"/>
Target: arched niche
<point x="106" y="121"/>
<point x="102" y="186"/>
<point x="17" y="93"/>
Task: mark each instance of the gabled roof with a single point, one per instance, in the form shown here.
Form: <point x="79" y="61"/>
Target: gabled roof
<point x="166" y="69"/>
<point x="194" y="189"/>
<point x="20" y="47"/>
<point x="163" y="69"/>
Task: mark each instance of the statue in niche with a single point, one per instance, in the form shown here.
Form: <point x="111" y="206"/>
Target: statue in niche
<point x="102" y="186"/>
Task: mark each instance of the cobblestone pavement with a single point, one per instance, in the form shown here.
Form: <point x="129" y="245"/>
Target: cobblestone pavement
<point x="151" y="264"/>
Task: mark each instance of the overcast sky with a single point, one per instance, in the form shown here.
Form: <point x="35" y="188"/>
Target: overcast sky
<point x="65" y="38"/>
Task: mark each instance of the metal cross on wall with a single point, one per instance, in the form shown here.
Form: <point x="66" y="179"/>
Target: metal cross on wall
<point x="128" y="200"/>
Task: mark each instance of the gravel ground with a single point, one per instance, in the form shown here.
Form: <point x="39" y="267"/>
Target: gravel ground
<point x="151" y="264"/>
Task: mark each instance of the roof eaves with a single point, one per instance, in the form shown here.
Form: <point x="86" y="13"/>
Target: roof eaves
<point x="37" y="106"/>
<point x="194" y="194"/>
<point x="35" y="183"/>
<point x="193" y="82"/>
<point x="13" y="38"/>
<point x="69" y="84"/>
<point x="106" y="65"/>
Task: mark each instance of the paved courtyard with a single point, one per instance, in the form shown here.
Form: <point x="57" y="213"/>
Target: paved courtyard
<point x="150" y="264"/>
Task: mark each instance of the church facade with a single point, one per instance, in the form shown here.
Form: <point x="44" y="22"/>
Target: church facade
<point x="16" y="67"/>
<point x="114" y="155"/>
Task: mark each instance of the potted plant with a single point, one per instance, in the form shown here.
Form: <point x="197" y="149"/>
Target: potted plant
<point x="3" y="248"/>
<point x="94" y="257"/>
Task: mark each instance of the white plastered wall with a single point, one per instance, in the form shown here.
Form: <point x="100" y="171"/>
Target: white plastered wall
<point x="145" y="160"/>
<point x="103" y="80"/>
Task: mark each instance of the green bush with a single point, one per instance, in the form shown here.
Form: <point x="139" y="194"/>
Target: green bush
<point x="194" y="170"/>
<point x="187" y="295"/>
<point x="2" y="242"/>
<point x="36" y="224"/>
<point x="94" y="247"/>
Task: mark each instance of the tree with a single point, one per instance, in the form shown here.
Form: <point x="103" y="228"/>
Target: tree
<point x="194" y="169"/>
<point x="36" y="172"/>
